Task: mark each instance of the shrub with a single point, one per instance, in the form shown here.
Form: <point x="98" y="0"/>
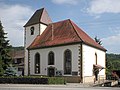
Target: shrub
<point x="23" y="80"/>
<point x="56" y="80"/>
<point x="32" y="80"/>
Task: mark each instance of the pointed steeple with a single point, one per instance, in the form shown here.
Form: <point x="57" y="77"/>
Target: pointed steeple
<point x="40" y="16"/>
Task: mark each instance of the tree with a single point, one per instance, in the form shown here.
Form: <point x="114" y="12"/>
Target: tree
<point x="11" y="71"/>
<point x="4" y="50"/>
<point x="112" y="63"/>
<point x="98" y="40"/>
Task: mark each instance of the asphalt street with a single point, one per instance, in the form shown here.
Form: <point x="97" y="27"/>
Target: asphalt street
<point x="51" y="87"/>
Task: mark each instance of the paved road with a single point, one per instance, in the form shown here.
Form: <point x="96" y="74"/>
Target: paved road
<point x="51" y="87"/>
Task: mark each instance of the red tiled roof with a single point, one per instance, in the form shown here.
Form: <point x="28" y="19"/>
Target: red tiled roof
<point x="85" y="38"/>
<point x="17" y="54"/>
<point x="60" y="33"/>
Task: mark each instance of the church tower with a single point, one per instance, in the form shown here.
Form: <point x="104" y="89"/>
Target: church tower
<point x="34" y="27"/>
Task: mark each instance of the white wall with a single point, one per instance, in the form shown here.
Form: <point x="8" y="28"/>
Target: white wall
<point x="89" y="59"/>
<point x="42" y="28"/>
<point x="29" y="37"/>
<point x="59" y="58"/>
<point x="38" y="29"/>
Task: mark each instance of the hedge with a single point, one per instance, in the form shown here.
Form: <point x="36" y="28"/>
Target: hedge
<point x="23" y="80"/>
<point x="31" y="80"/>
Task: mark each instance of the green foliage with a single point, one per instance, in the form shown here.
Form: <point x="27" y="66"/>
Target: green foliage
<point x="56" y="80"/>
<point x="4" y="49"/>
<point x="50" y="80"/>
<point x="17" y="48"/>
<point x="11" y="71"/>
<point x="112" y="63"/>
<point x="1" y="69"/>
<point x="98" y="40"/>
<point x="23" y="80"/>
<point x="113" y="56"/>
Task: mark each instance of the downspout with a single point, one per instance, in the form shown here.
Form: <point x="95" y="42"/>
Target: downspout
<point x="28" y="63"/>
<point x="81" y="62"/>
<point x="39" y="29"/>
<point x="24" y="49"/>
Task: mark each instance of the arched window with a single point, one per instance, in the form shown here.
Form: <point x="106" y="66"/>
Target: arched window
<point x="67" y="62"/>
<point x="96" y="58"/>
<point x="51" y="58"/>
<point x="32" y="30"/>
<point x="37" y="63"/>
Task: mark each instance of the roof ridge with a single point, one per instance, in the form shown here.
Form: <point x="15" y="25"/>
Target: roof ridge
<point x="41" y="8"/>
<point x="59" y="21"/>
<point x="75" y="29"/>
<point x="41" y="14"/>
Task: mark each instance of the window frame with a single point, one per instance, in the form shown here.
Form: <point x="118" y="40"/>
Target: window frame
<point x="96" y="61"/>
<point x="32" y="29"/>
<point x="37" y="63"/>
<point x="51" y="58"/>
<point x="67" y="59"/>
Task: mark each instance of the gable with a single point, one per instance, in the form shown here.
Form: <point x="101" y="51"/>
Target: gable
<point x="86" y="39"/>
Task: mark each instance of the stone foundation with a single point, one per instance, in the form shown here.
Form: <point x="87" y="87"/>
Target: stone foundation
<point x="88" y="79"/>
<point x="91" y="79"/>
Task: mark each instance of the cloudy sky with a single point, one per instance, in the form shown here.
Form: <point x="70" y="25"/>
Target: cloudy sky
<point x="99" y="18"/>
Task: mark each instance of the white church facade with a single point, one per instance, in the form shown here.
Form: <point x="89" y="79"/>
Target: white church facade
<point x="61" y="49"/>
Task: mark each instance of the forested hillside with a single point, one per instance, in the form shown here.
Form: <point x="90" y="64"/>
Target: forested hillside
<point x="18" y="48"/>
<point x="112" y="63"/>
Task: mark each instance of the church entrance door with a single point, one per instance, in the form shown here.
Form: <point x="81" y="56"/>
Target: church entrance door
<point x="51" y="71"/>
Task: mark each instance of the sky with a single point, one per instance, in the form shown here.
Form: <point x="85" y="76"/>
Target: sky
<point x="99" y="18"/>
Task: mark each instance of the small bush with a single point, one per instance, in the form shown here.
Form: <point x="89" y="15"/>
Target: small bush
<point x="56" y="80"/>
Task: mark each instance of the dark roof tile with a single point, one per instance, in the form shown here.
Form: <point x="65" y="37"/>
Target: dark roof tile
<point x="40" y="15"/>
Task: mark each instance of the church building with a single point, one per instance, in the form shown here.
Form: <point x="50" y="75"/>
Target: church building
<point x="61" y="49"/>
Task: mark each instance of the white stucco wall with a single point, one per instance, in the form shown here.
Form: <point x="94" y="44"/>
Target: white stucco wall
<point x="29" y="37"/>
<point x="42" y="28"/>
<point x="59" y="58"/>
<point x="38" y="29"/>
<point x="89" y="59"/>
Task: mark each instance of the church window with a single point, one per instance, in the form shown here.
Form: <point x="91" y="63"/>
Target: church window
<point x="67" y="62"/>
<point x="51" y="58"/>
<point x="37" y="63"/>
<point x="32" y="30"/>
<point x="96" y="58"/>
